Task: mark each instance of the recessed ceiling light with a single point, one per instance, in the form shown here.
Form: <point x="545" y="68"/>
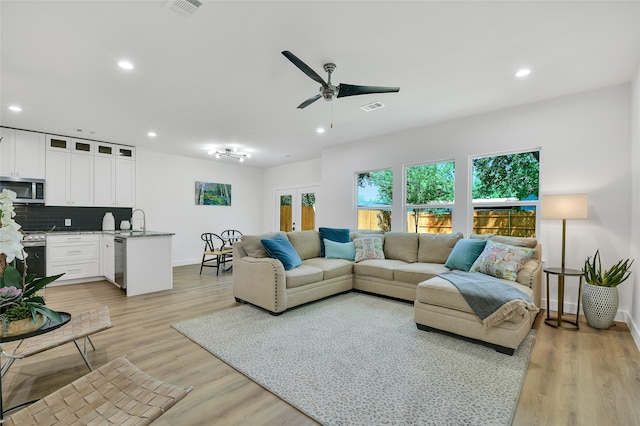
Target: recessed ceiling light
<point x="125" y="65"/>
<point x="151" y="134"/>
<point x="523" y="72"/>
<point x="320" y="130"/>
<point x="15" y="108"/>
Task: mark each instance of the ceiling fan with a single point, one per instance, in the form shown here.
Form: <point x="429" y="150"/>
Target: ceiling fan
<point x="328" y="91"/>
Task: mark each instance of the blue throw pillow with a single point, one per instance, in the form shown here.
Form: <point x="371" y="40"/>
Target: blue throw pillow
<point x="339" y="235"/>
<point x="280" y="248"/>
<point x="335" y="250"/>
<point x="464" y="253"/>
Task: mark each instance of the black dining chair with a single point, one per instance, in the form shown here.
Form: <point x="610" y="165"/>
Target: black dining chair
<point x="230" y="236"/>
<point x="215" y="252"/>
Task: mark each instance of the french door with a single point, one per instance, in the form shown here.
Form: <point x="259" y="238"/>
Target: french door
<point x="296" y="209"/>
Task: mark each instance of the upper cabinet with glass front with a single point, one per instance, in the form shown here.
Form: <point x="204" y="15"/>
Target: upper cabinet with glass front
<point x="114" y="175"/>
<point x="89" y="173"/>
<point x="69" y="172"/>
<point x="22" y="154"/>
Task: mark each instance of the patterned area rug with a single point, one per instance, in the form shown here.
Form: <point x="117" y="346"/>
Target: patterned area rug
<point x="360" y="360"/>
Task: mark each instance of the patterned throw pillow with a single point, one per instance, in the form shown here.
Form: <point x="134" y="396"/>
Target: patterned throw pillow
<point x="502" y="260"/>
<point x="368" y="248"/>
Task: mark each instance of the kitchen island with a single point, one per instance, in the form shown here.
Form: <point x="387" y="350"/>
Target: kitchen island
<point x="142" y="261"/>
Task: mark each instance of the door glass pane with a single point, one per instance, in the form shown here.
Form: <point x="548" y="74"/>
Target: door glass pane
<point x="308" y="210"/>
<point x="286" y="214"/>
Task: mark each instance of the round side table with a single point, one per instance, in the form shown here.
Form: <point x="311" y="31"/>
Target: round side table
<point x="559" y="321"/>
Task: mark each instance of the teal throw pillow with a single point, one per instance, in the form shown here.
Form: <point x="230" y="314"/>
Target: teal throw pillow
<point x="334" y="250"/>
<point x="280" y="248"/>
<point x="464" y="253"/>
<point x="339" y="235"/>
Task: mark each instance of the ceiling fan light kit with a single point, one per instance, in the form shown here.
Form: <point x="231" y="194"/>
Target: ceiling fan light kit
<point x="231" y="153"/>
<point x="327" y="90"/>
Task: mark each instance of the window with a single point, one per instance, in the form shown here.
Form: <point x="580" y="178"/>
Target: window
<point x="375" y="197"/>
<point x="429" y="197"/>
<point x="505" y="194"/>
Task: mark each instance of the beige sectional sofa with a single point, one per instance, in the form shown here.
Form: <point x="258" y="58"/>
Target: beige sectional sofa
<point x="409" y="271"/>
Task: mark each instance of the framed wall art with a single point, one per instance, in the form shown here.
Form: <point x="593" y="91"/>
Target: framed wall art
<point x="213" y="194"/>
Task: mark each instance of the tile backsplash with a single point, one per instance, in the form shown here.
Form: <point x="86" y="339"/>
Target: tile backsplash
<point x="43" y="218"/>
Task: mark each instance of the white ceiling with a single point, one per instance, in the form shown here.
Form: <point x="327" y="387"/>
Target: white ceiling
<point x="218" y="78"/>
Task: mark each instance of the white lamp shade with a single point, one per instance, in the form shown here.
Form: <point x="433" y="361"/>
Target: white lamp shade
<point x="568" y="206"/>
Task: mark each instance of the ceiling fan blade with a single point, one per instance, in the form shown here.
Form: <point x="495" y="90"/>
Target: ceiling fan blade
<point x="309" y="101"/>
<point x="352" y="90"/>
<point x="304" y="68"/>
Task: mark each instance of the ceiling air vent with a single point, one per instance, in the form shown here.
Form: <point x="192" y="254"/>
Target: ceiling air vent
<point x="185" y="8"/>
<point x="372" y="106"/>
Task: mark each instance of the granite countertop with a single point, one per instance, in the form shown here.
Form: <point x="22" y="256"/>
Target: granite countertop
<point x="137" y="234"/>
<point x="118" y="233"/>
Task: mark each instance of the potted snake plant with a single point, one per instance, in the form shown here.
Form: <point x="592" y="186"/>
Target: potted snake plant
<point x="600" y="293"/>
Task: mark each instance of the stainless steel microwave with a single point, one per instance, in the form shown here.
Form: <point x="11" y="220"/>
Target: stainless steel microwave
<point x="28" y="191"/>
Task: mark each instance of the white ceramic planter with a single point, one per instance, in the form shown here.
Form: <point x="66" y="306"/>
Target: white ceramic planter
<point x="600" y="305"/>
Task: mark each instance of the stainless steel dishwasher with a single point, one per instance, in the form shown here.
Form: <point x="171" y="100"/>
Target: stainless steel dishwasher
<point x="120" y="273"/>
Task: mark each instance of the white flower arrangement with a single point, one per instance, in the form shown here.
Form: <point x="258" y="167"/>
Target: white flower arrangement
<point x="18" y="291"/>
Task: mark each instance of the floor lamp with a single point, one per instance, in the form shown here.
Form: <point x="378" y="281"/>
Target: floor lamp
<point x="572" y="206"/>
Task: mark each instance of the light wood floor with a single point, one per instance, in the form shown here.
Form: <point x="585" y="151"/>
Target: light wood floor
<point x="588" y="377"/>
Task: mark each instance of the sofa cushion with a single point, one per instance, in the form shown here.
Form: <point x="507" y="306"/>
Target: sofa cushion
<point x="368" y="248"/>
<point x="252" y="244"/>
<point x="306" y="243"/>
<point x="362" y="233"/>
<point x="378" y="268"/>
<point x="502" y="260"/>
<point x="303" y="275"/>
<point x="515" y="241"/>
<point x="340" y="235"/>
<point x="401" y="246"/>
<point x="414" y="273"/>
<point x="440" y="292"/>
<point x="280" y="248"/>
<point x="331" y="268"/>
<point x="464" y="253"/>
<point x="334" y="250"/>
<point x="436" y="248"/>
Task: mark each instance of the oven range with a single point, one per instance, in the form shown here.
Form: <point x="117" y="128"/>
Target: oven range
<point x="34" y="244"/>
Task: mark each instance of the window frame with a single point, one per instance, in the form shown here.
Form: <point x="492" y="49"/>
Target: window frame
<point x="381" y="207"/>
<point x="497" y="203"/>
<point x="431" y="205"/>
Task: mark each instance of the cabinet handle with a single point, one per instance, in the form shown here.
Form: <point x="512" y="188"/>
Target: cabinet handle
<point x="74" y="251"/>
<point x="74" y="270"/>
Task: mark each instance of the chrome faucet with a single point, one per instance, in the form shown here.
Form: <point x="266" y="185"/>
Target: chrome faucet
<point x="144" y="219"/>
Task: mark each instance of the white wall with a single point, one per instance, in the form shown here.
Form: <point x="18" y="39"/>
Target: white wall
<point x="296" y="175"/>
<point x="165" y="190"/>
<point x="585" y="146"/>
<point x="634" y="317"/>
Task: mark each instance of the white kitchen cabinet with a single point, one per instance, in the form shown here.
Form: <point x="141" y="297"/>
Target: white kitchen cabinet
<point x="108" y="257"/>
<point x="114" y="175"/>
<point x="70" y="172"/>
<point x="22" y="154"/>
<point x="75" y="255"/>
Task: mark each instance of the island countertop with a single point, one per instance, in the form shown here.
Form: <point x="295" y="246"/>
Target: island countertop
<point x="140" y="234"/>
<point x="125" y="234"/>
